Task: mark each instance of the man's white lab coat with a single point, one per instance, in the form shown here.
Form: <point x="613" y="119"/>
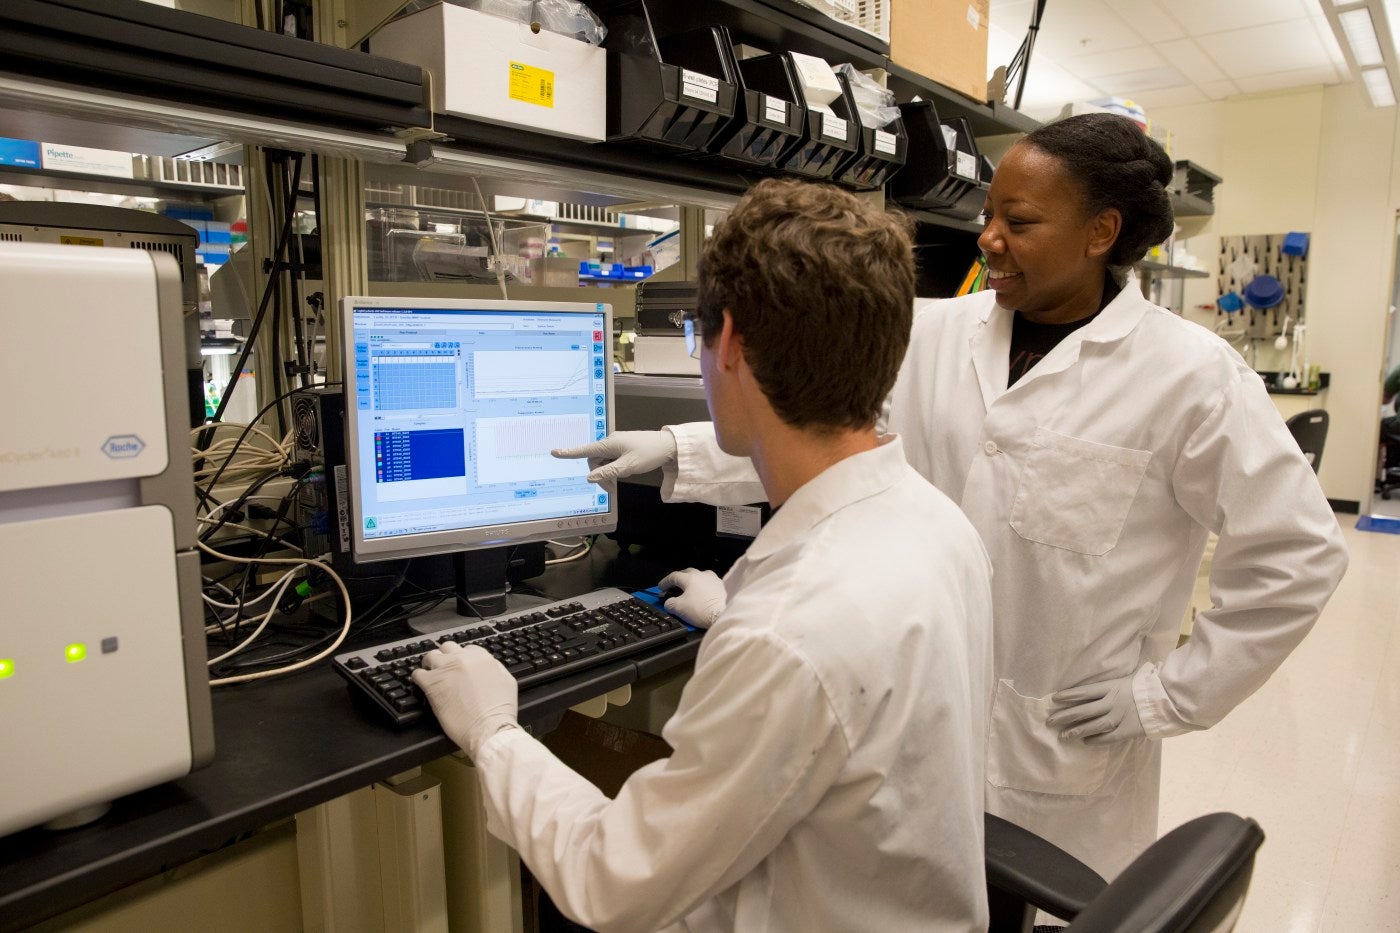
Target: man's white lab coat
<point x="1094" y="482"/>
<point x="827" y="772"/>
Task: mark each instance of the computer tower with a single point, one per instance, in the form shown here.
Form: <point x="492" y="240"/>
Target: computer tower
<point x="698" y="534"/>
<point x="104" y="688"/>
<point x="318" y="417"/>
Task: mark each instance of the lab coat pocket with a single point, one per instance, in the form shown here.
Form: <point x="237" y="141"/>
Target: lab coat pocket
<point x="1025" y="754"/>
<point x="1075" y="494"/>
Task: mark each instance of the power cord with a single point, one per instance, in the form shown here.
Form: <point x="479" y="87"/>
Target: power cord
<point x="321" y="564"/>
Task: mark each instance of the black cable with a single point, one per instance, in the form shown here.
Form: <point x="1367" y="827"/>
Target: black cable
<point x="298" y="470"/>
<point x="257" y="320"/>
<point x="248" y="429"/>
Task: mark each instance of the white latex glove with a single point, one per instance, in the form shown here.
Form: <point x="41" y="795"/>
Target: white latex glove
<point x="1100" y="713"/>
<point x="472" y="695"/>
<point x="702" y="596"/>
<point x="624" y="453"/>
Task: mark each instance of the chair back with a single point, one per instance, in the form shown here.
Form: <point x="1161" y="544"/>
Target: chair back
<point x="1309" y="429"/>
<point x="1192" y="880"/>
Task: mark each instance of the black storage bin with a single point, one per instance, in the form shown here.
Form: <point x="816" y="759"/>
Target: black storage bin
<point x="768" y="114"/>
<point x="934" y="177"/>
<point x="673" y="92"/>
<point x="881" y="153"/>
<point x="824" y="143"/>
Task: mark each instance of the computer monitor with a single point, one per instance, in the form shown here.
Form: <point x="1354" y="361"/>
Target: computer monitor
<point x="452" y="409"/>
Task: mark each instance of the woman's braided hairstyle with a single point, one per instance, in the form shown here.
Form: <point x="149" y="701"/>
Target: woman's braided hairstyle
<point x="1116" y="165"/>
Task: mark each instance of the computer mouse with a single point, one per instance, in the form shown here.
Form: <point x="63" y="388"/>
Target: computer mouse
<point x="670" y="591"/>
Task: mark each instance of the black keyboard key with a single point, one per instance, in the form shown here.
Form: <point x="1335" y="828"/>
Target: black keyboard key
<point x="520" y="667"/>
<point x="356" y="664"/>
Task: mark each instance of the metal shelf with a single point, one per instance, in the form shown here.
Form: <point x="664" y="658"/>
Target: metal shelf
<point x="134" y="187"/>
<point x="991" y="119"/>
<point x="1189" y="205"/>
<point x="600" y="168"/>
<point x="948" y="223"/>
<point x="1171" y="272"/>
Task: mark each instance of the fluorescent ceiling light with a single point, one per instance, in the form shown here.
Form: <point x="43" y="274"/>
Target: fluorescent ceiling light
<point x="1378" y="86"/>
<point x="1361" y="36"/>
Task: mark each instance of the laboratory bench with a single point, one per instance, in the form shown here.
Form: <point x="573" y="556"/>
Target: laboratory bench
<point x="283" y="746"/>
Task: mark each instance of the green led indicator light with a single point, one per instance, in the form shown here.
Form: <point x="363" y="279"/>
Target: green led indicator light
<point x="75" y="652"/>
<point x="7" y="667"/>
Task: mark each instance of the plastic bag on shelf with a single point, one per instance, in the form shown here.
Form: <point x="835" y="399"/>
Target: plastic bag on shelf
<point x="874" y="103"/>
<point x="565" y="17"/>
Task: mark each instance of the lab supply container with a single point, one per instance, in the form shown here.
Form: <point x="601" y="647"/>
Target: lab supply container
<point x="829" y="135"/>
<point x="944" y="172"/>
<point x="668" y="90"/>
<point x="767" y="110"/>
<point x="500" y="71"/>
<point x="880" y="153"/>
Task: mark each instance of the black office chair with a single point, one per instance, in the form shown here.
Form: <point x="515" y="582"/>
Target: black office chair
<point x="1388" y="477"/>
<point x="1309" y="429"/>
<point x="1192" y="880"/>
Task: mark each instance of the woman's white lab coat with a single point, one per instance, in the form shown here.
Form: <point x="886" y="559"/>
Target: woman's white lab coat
<point x="1094" y="482"/>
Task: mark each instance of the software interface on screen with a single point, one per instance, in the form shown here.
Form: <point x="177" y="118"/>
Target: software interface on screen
<point x="457" y="411"/>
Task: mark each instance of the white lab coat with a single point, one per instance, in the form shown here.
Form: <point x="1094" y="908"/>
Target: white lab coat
<point x="1094" y="482"/>
<point x="827" y="770"/>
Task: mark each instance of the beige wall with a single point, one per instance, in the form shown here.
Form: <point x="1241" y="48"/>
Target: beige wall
<point x="1318" y="160"/>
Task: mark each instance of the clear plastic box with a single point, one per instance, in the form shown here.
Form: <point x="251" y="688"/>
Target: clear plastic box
<point x="416" y="245"/>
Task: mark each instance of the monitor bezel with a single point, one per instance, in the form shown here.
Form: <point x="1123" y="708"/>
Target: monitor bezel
<point x="366" y="550"/>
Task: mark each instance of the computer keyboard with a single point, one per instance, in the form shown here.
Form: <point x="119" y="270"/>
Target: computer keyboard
<point x="536" y="645"/>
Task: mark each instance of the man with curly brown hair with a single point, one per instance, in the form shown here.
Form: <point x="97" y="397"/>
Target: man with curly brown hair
<point x="828" y="751"/>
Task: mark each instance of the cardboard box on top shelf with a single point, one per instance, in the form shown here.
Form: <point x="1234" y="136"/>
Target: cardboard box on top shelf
<point x="945" y="40"/>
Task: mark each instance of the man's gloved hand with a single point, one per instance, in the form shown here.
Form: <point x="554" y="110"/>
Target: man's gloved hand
<point x="702" y="596"/>
<point x="472" y="695"/>
<point x="624" y="453"/>
<point x="1099" y="713"/>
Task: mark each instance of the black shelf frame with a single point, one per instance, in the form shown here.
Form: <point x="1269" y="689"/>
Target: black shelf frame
<point x="985" y="119"/>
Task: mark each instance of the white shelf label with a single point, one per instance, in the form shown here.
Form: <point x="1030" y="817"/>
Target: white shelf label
<point x="699" y="87"/>
<point x="885" y="142"/>
<point x="967" y="165"/>
<point x="738" y="521"/>
<point x="59" y="158"/>
<point x="833" y="127"/>
<point x="774" y="109"/>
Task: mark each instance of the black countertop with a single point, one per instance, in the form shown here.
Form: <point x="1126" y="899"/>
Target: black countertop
<point x="282" y="746"/>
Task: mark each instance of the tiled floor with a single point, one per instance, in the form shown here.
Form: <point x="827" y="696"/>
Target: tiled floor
<point x="1314" y="756"/>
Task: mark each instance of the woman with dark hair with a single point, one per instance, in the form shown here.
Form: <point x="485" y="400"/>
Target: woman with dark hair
<point x="1094" y="440"/>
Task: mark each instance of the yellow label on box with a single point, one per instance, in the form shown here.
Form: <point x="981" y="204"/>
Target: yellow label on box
<point x="532" y="85"/>
<point x="81" y="240"/>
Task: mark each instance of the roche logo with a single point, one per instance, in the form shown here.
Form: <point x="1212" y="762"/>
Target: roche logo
<point x="123" y="446"/>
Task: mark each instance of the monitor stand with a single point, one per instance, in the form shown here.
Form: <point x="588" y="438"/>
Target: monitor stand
<point x="482" y="590"/>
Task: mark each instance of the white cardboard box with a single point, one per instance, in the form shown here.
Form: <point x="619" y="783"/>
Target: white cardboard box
<point x="497" y="70"/>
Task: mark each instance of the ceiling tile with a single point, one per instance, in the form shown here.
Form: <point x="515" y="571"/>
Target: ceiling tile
<point x="1264" y="50"/>
<point x="1083" y="27"/>
<point x="1206" y="16"/>
<point x="1148" y="19"/>
<point x="1186" y="56"/>
<point x="1219" y="90"/>
<point x="1169" y="97"/>
<point x="1300" y="77"/>
<point x="1049" y="85"/>
<point x="1130" y="83"/>
<point x="1136" y="58"/>
<point x="1012" y="18"/>
<point x="1328" y="38"/>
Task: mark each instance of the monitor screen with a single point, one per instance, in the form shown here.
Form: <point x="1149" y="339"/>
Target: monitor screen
<point x="452" y="409"/>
